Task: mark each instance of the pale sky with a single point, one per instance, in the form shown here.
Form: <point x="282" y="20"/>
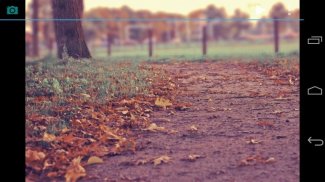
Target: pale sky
<point x="256" y="8"/>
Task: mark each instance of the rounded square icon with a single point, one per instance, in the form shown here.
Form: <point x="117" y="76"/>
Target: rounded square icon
<point x="12" y="10"/>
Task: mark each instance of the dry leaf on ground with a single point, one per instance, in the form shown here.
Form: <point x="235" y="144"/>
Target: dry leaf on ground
<point x="75" y="171"/>
<point x="193" y="157"/>
<point x="94" y="160"/>
<point x="109" y="132"/>
<point x="48" y="137"/>
<point x="193" y="128"/>
<point x="125" y="112"/>
<point x="270" y="160"/>
<point x="141" y="162"/>
<point x="34" y="155"/>
<point x="161" y="102"/>
<point x="154" y="128"/>
<point x="161" y="159"/>
<point x="277" y="112"/>
<point x="253" y="141"/>
<point x="172" y="131"/>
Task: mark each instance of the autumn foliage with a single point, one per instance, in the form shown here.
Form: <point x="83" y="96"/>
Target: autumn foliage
<point x="70" y="125"/>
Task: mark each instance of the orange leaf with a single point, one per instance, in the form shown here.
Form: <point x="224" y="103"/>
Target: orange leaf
<point x="48" y="137"/>
<point x="94" y="160"/>
<point x="154" y="128"/>
<point x="161" y="102"/>
<point x="161" y="159"/>
<point x="34" y="155"/>
<point x="75" y="171"/>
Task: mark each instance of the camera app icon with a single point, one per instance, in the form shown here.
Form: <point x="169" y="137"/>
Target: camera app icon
<point x="12" y="10"/>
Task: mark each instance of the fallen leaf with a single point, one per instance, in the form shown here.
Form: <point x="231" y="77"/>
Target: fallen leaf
<point x="101" y="150"/>
<point x="171" y="113"/>
<point x="132" y="117"/>
<point x="108" y="131"/>
<point x="34" y="155"/>
<point x="47" y="164"/>
<point x="273" y="77"/>
<point x="48" y="137"/>
<point x="248" y="161"/>
<point x="253" y="141"/>
<point x="67" y="139"/>
<point x="211" y="109"/>
<point x="161" y="102"/>
<point x="193" y="128"/>
<point x="91" y="140"/>
<point x="201" y="78"/>
<point x="64" y="130"/>
<point x="94" y="160"/>
<point x="193" y="157"/>
<point x="281" y="98"/>
<point x="270" y="160"/>
<point x="141" y="162"/>
<point x="125" y="112"/>
<point x="290" y="81"/>
<point x="172" y="131"/>
<point x="161" y="159"/>
<point x="75" y="171"/>
<point x="154" y="128"/>
<point x="277" y="112"/>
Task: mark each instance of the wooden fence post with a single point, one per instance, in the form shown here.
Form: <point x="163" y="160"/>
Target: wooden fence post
<point x="150" y="42"/>
<point x="109" y="45"/>
<point x="276" y="36"/>
<point x="204" y="40"/>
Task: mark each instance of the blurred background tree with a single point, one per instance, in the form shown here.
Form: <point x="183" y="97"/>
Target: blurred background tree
<point x="240" y="24"/>
<point x="216" y="28"/>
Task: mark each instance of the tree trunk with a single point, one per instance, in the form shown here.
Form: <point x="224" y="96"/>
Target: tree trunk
<point x="69" y="33"/>
<point x="81" y="7"/>
<point x="35" y="50"/>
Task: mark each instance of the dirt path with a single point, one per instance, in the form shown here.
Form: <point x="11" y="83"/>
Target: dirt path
<point x="247" y="130"/>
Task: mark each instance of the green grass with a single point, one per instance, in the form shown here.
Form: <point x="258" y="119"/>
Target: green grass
<point x="220" y="50"/>
<point x="92" y="81"/>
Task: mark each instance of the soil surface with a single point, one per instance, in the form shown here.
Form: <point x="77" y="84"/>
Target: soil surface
<point x="243" y="125"/>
